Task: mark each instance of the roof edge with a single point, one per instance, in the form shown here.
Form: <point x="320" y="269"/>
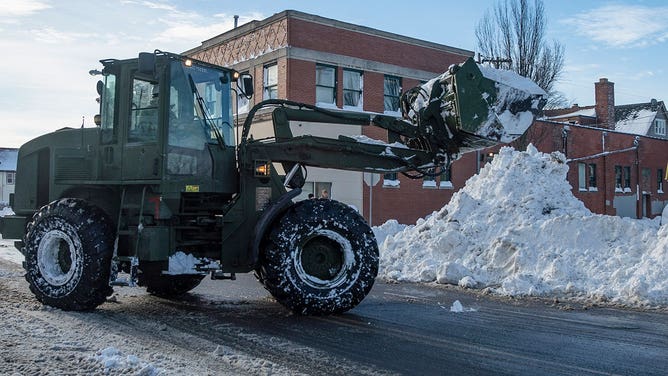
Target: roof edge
<point x="249" y="26"/>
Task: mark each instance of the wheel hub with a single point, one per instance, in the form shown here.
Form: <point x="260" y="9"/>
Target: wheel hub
<point x="323" y="260"/>
<point x="56" y="256"/>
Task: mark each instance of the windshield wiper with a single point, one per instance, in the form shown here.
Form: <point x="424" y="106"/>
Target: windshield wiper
<point x="204" y="114"/>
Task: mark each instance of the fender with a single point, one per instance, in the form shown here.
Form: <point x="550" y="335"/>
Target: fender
<point x="268" y="217"/>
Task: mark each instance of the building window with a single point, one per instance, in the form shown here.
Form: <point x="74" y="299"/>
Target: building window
<point x="660" y="127"/>
<point x="317" y="189"/>
<point x="627" y="179"/>
<point x="618" y="179"/>
<point x="325" y="84"/>
<point x="582" y="177"/>
<point x="391" y="180"/>
<point x="592" y="177"/>
<point x="270" y="82"/>
<point x="429" y="181"/>
<point x="659" y="181"/>
<point x="645" y="176"/>
<point x="352" y="88"/>
<point x="243" y="103"/>
<point x="446" y="176"/>
<point x="391" y="93"/>
<point x="11" y="176"/>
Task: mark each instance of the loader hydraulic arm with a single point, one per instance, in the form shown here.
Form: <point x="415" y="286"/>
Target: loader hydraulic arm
<point x="469" y="107"/>
<point x="408" y="150"/>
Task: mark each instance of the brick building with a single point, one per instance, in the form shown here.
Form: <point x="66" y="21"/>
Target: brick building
<point x="337" y="65"/>
<point x="618" y="153"/>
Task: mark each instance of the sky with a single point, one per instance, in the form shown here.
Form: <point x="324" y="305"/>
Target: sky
<point x="50" y="46"/>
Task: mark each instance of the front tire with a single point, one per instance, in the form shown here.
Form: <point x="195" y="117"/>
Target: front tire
<point x="320" y="258"/>
<point x="68" y="250"/>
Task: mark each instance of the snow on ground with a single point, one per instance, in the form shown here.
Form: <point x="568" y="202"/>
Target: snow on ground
<point x="516" y="229"/>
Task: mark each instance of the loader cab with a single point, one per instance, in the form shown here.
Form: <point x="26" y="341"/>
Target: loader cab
<point x="168" y="118"/>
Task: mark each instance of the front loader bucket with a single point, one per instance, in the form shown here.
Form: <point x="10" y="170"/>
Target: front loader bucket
<point x="472" y="106"/>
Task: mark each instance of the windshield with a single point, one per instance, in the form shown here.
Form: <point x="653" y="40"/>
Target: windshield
<point x="199" y="101"/>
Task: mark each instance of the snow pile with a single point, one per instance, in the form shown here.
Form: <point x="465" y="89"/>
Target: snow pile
<point x="115" y="362"/>
<point x="6" y="211"/>
<point x="388" y="228"/>
<point x="516" y="229"/>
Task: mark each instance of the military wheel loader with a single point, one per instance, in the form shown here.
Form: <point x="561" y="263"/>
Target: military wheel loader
<point x="166" y="189"/>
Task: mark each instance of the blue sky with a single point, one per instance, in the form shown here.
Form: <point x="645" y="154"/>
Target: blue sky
<point x="49" y="45"/>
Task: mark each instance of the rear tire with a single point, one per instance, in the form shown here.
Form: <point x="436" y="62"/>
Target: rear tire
<point x="321" y="258"/>
<point x="68" y="250"/>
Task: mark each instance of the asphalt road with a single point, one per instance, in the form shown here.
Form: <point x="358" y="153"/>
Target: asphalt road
<point x="409" y="329"/>
<point x="236" y="328"/>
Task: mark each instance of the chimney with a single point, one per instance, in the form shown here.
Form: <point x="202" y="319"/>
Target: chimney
<point x="605" y="103"/>
<point x="236" y="21"/>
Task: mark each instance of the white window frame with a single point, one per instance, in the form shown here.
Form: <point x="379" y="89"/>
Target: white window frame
<point x="243" y="103"/>
<point x="619" y="178"/>
<point x="321" y="86"/>
<point x="582" y="177"/>
<point x="391" y="180"/>
<point x="626" y="178"/>
<point x="660" y="126"/>
<point x="11" y="178"/>
<point x="387" y="95"/>
<point x="349" y="90"/>
<point x="270" y="81"/>
<point x="592" y="185"/>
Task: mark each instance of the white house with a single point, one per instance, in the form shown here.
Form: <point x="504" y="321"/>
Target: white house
<point x="8" y="158"/>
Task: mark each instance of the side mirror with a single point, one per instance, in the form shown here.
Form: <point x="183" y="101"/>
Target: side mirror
<point x="100" y="87"/>
<point x="146" y="63"/>
<point x="245" y="85"/>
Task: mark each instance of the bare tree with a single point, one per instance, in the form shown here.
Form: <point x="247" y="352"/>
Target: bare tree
<point x="514" y="38"/>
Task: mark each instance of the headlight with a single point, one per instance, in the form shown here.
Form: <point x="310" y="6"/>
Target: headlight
<point x="262" y="168"/>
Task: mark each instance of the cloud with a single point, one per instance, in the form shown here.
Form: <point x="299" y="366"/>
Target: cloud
<point x="52" y="36"/>
<point x="195" y="31"/>
<point x="570" y="67"/>
<point x="623" y="25"/>
<point x="22" y="8"/>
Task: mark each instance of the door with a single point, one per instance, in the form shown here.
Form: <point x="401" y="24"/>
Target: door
<point x="141" y="155"/>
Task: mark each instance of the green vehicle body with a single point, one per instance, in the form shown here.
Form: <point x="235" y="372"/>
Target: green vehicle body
<point x="168" y="170"/>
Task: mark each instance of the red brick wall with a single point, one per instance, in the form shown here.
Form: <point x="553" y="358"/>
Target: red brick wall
<point x="373" y="92"/>
<point x="301" y="81"/>
<point x="309" y="35"/>
<point x="584" y="141"/>
<point x="604" y="92"/>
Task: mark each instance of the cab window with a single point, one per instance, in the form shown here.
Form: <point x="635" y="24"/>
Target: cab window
<point x="144" y="112"/>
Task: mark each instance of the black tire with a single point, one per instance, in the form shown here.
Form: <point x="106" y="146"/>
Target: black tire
<point x="320" y="258"/>
<point x="68" y="250"/>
